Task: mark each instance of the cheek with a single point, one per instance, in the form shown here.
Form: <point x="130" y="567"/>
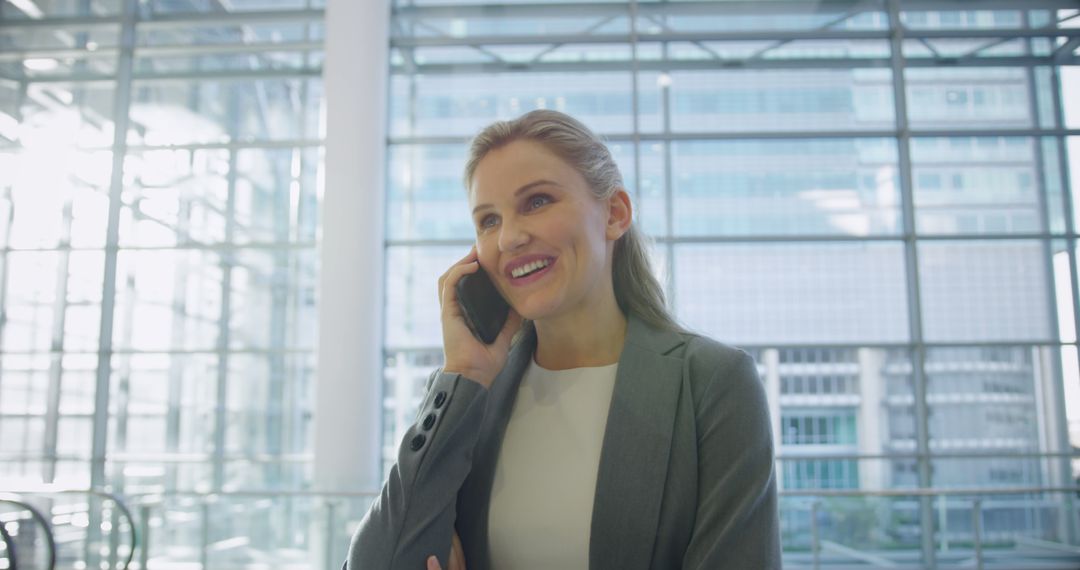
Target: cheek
<point x="487" y="255"/>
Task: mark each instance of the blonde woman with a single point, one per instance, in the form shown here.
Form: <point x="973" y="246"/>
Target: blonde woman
<point x="594" y="432"/>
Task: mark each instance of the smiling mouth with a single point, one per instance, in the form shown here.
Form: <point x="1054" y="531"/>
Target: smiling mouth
<point x="530" y="268"/>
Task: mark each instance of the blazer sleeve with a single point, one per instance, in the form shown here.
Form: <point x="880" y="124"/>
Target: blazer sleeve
<point x="413" y="517"/>
<point x="737" y="520"/>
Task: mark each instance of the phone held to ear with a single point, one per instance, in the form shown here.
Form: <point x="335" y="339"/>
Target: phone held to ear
<point x="485" y="309"/>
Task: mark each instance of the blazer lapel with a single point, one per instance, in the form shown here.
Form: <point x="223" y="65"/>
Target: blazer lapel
<point x="637" y="444"/>
<point x="475" y="494"/>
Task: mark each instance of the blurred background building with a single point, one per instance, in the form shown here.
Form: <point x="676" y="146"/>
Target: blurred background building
<point x="873" y="197"/>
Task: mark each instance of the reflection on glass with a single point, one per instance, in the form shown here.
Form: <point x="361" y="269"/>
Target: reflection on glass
<point x="832" y="187"/>
<point x="977" y="185"/>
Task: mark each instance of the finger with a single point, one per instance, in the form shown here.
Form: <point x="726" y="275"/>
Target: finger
<point x="433" y="563"/>
<point x="449" y="292"/>
<point x="457" y="554"/>
<point x="469" y="257"/>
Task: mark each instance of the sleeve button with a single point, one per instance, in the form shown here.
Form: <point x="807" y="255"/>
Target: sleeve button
<point x="440" y="399"/>
<point x="417" y="442"/>
<point x="429" y="421"/>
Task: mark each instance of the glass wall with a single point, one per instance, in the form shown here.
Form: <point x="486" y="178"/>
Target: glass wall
<point x="872" y="197"/>
<point x="160" y="170"/>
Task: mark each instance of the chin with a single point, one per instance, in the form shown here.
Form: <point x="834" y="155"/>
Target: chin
<point x="535" y="311"/>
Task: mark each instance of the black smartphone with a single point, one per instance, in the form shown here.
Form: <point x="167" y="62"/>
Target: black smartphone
<point x="485" y="309"/>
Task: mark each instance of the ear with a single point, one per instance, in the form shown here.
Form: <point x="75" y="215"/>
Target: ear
<point x="620" y="214"/>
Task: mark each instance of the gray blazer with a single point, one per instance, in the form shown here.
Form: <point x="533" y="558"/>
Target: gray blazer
<point x="686" y="476"/>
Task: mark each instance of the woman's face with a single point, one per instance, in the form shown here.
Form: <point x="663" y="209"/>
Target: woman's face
<point x="543" y="238"/>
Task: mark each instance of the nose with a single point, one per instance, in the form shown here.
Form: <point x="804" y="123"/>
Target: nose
<point x="512" y="235"/>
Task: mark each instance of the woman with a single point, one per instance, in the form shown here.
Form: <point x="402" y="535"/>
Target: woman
<point x="594" y="432"/>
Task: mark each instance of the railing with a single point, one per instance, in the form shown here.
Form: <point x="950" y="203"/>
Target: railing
<point x="843" y="528"/>
<point x="1063" y="553"/>
<point x="15" y="518"/>
<point x="86" y="532"/>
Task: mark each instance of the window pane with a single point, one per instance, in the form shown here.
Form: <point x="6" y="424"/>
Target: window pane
<point x="764" y="293"/>
<point x="788" y="100"/>
<point x="833" y="187"/>
<point x="985" y="291"/>
<point x="977" y="185"/>
<point x="969" y="98"/>
<point x="461" y="104"/>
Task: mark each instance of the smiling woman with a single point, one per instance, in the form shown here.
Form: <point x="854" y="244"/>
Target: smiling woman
<point x="594" y="432"/>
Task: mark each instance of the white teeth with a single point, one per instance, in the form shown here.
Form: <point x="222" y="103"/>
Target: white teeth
<point x="529" y="268"/>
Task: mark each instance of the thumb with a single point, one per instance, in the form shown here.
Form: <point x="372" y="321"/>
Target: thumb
<point x="433" y="563"/>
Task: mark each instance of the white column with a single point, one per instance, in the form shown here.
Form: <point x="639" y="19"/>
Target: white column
<point x="872" y="417"/>
<point x="770" y="359"/>
<point x="348" y="389"/>
<point x="349" y="386"/>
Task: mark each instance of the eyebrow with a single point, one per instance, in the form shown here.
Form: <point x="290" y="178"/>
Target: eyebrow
<point x="519" y="191"/>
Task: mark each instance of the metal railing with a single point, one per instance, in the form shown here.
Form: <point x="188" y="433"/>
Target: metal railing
<point x="38" y="518"/>
<point x="330" y="517"/>
<point x="24" y="494"/>
<point x="818" y="544"/>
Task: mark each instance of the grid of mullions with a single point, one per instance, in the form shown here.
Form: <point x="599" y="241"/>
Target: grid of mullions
<point x="881" y="187"/>
<point x="183" y="248"/>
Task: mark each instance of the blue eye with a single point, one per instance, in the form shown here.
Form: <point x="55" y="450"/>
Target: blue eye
<point x="487" y="222"/>
<point x="538" y="200"/>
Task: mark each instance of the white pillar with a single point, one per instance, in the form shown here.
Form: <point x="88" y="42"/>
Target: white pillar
<point x="349" y="386"/>
<point x="872" y="417"/>
<point x="770" y="360"/>
<point x="348" y="389"/>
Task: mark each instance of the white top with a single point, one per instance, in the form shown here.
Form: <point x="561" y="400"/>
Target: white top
<point x="545" y="479"/>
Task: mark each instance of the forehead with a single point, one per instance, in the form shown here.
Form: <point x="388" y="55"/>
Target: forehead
<point x="509" y="167"/>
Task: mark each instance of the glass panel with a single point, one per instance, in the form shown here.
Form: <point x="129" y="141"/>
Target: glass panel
<point x="426" y="197"/>
<point x="985" y="291"/>
<point x="791" y="293"/>
<point x="969" y="98"/>
<point x="23" y="10"/>
<point x="1056" y="204"/>
<point x="966" y="48"/>
<point x="1072" y="150"/>
<point x="1070" y="92"/>
<point x="57" y="117"/>
<point x="975" y="185"/>
<point x="781" y="100"/>
<point x="1001" y="401"/>
<point x="412" y="302"/>
<point x="164" y="412"/>
<point x="273" y="298"/>
<point x="830" y="187"/>
<point x="269" y="408"/>
<point x="1070" y="373"/>
<point x="172" y="7"/>
<point x="764" y="17"/>
<point x="168" y="300"/>
<point x="981" y="19"/>
<point x="99" y="37"/>
<point x="461" y="104"/>
<point x="222" y="111"/>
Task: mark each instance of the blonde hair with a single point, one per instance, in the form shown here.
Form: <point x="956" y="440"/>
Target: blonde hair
<point x="637" y="291"/>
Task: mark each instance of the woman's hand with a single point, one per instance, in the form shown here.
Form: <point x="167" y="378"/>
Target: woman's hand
<point x="463" y="353"/>
<point x="457" y="557"/>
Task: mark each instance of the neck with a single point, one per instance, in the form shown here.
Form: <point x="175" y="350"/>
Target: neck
<point x="590" y="337"/>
